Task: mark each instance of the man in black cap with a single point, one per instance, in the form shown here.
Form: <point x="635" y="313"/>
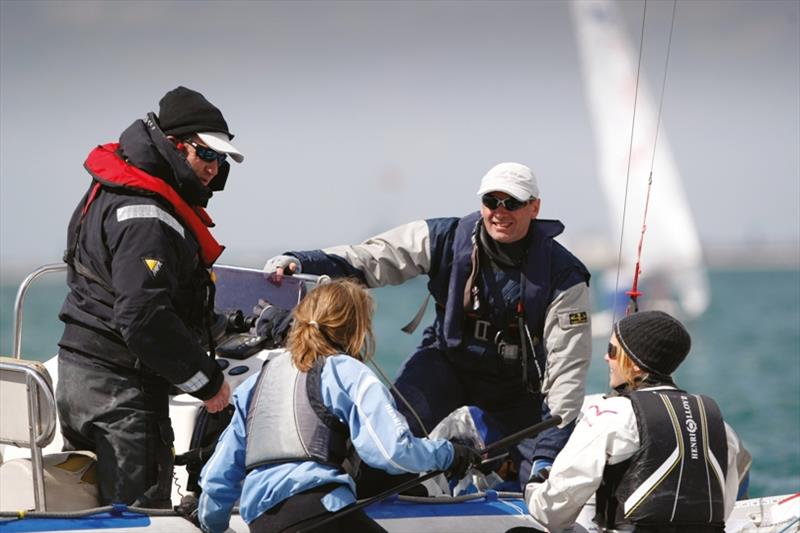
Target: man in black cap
<point x="656" y="457"/>
<point x="140" y="308"/>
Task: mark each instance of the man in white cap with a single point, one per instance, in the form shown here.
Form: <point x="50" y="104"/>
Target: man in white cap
<point x="512" y="334"/>
<point x="140" y="307"/>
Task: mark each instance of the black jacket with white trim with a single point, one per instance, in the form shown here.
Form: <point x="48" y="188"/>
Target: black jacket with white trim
<point x="147" y="299"/>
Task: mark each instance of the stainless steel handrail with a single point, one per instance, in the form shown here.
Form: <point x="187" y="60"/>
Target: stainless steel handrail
<point x="62" y="267"/>
<point x="44" y="438"/>
<point x="310" y="278"/>
<point x="33" y="381"/>
<point x="18" y="303"/>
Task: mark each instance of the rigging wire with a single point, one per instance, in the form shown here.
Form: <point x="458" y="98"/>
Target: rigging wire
<point x="634" y="293"/>
<point x="628" y="172"/>
<point x="663" y="85"/>
<point x="633" y="305"/>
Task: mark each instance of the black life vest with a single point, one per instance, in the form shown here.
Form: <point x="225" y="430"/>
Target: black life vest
<point x="677" y="477"/>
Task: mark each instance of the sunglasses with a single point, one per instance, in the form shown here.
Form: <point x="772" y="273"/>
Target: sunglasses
<point x="207" y="154"/>
<point x="613" y="351"/>
<point x="511" y="204"/>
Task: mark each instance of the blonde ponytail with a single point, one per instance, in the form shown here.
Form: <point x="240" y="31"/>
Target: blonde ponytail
<point x="333" y="318"/>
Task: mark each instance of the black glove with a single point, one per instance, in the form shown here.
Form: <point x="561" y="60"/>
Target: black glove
<point x="188" y="510"/>
<point x="272" y="323"/>
<point x="463" y="458"/>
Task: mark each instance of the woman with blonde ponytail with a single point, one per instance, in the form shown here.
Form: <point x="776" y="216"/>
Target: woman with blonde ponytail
<point x="337" y="320"/>
<point x="282" y="454"/>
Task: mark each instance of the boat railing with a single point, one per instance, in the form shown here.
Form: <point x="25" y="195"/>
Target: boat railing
<point x="35" y="427"/>
<point x="29" y="378"/>
<point x="20" y="300"/>
<point x="62" y="267"/>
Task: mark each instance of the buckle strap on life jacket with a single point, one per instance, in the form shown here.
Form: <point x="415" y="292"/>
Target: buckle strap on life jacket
<point x="512" y="342"/>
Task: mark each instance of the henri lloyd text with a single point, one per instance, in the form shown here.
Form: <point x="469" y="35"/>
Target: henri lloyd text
<point x="691" y="427"/>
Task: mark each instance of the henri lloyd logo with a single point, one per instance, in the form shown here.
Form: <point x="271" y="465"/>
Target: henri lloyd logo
<point x="691" y="427"/>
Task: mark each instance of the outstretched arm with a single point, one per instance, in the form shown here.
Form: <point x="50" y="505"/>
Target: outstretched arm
<point x="380" y="434"/>
<point x="390" y="258"/>
<point x="738" y="468"/>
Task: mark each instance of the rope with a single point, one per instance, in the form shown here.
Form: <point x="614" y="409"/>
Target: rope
<point x="663" y="86"/>
<point x="388" y="382"/>
<point x="444" y="499"/>
<point x="117" y="509"/>
<point x="114" y="510"/>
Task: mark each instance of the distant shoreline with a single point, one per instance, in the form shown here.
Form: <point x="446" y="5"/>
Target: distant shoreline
<point x="595" y="254"/>
<point x="756" y="256"/>
<point x="770" y="256"/>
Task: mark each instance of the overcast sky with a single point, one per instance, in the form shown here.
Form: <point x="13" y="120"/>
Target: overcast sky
<point x="358" y="116"/>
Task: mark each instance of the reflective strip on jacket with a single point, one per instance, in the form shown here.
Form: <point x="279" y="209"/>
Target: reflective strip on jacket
<point x="147" y="301"/>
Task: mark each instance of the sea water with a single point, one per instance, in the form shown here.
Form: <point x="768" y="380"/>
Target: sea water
<point x="745" y="354"/>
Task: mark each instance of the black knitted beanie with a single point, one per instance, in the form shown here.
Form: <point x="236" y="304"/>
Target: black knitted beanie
<point x="183" y="111"/>
<point x="656" y="342"/>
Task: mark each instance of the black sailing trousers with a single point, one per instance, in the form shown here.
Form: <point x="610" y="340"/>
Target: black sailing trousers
<point x="122" y="415"/>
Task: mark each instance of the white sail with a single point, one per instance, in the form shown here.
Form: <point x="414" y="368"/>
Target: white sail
<point x="671" y="252"/>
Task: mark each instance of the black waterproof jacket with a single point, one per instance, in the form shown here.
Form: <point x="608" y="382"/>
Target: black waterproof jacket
<point x="146" y="300"/>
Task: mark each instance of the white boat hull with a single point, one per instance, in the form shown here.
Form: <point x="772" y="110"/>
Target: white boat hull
<point x="774" y="514"/>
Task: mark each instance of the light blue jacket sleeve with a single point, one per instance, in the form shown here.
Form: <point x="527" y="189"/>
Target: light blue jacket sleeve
<point x="380" y="434"/>
<point x="221" y="478"/>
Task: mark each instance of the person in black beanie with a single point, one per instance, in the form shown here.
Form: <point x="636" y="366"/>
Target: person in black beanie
<point x="137" y="319"/>
<point x="657" y="458"/>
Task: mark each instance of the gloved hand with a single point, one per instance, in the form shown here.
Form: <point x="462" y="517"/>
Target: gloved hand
<point x="540" y="470"/>
<point x="463" y="458"/>
<point x="262" y="310"/>
<point x="188" y="510"/>
<point x="272" y="323"/>
<point x="281" y="265"/>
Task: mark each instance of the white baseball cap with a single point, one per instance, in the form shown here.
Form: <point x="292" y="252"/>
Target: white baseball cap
<point x="221" y="143"/>
<point x="514" y="179"/>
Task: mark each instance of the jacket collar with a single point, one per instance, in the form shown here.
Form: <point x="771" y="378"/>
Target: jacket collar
<point x="145" y="146"/>
<point x="109" y="169"/>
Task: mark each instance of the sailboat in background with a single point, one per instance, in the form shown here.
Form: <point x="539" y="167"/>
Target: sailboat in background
<point x="673" y="275"/>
